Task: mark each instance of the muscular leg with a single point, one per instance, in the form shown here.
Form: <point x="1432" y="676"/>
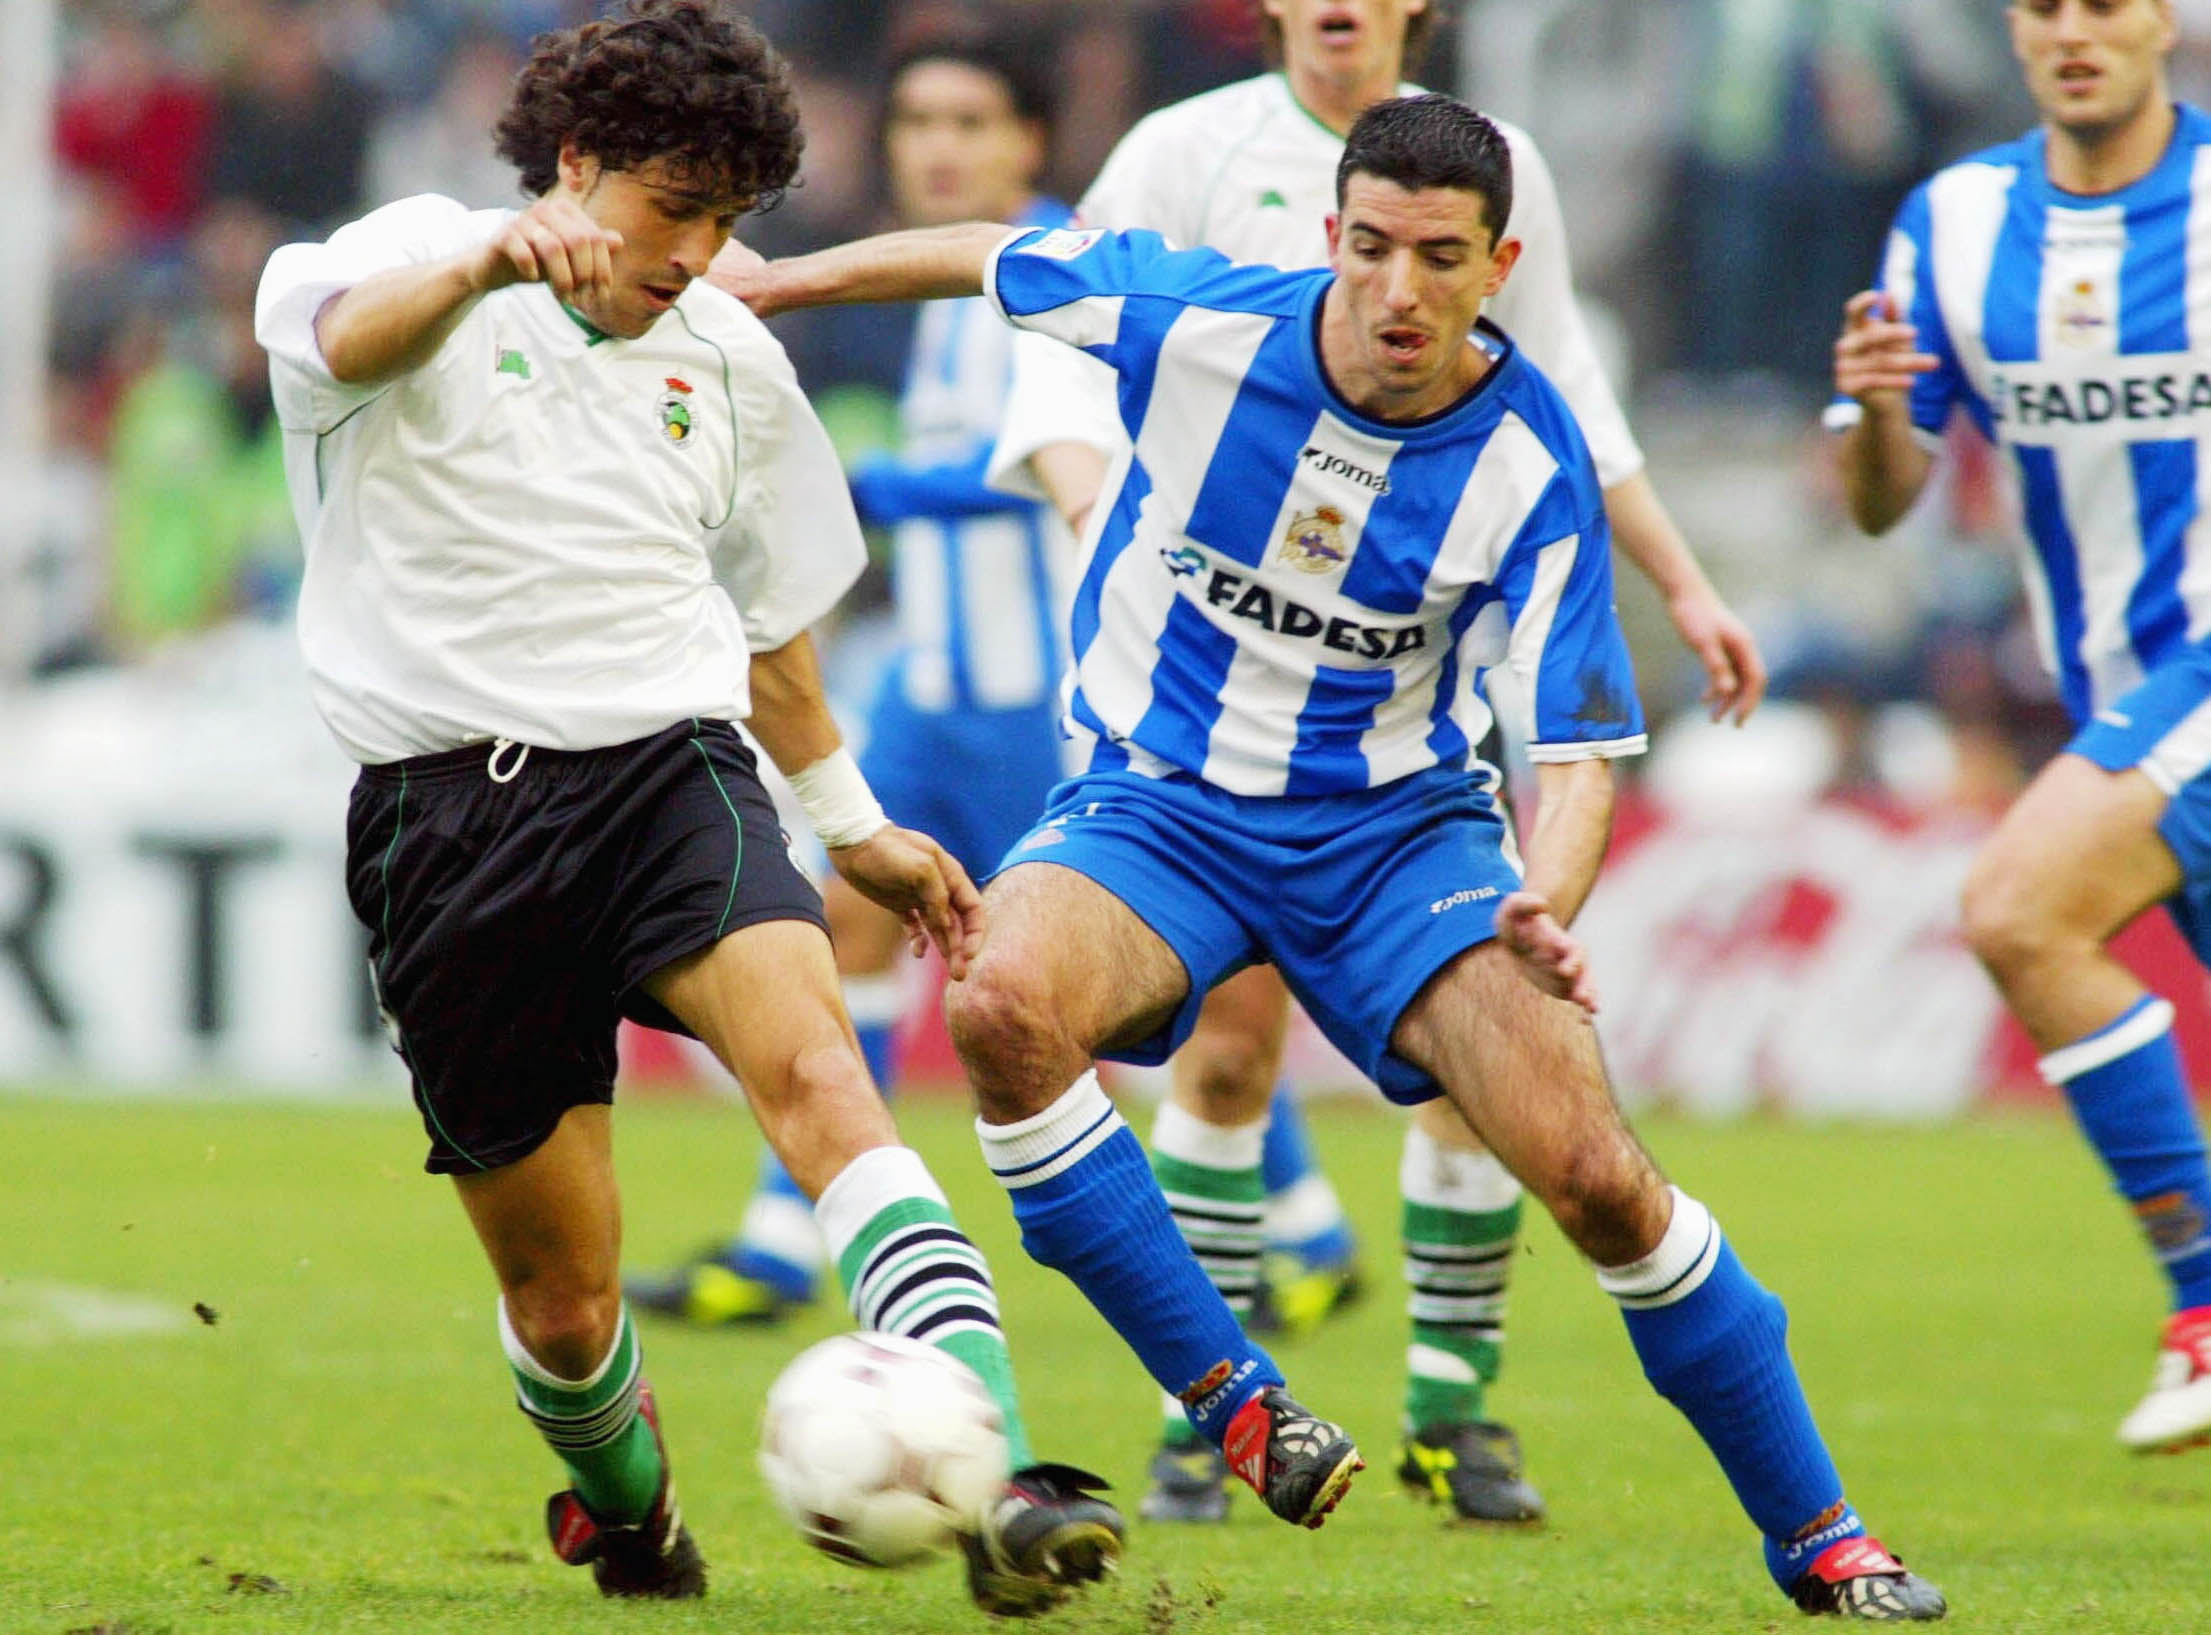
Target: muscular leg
<point x="1525" y="1072"/>
<point x="765" y="1000"/>
<point x="551" y="1224"/>
<point x="1069" y="970"/>
<point x="2076" y="859"/>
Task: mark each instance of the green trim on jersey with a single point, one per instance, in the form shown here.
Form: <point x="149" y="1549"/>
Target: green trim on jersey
<point x="729" y="401"/>
<point x="592" y="333"/>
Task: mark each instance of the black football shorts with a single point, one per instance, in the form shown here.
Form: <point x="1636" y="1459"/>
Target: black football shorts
<point x="513" y="918"/>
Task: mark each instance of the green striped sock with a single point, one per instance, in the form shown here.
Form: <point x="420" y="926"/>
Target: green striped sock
<point x="1461" y="1227"/>
<point x="909" y="1269"/>
<point x="1216" y="1191"/>
<point x="613" y="1459"/>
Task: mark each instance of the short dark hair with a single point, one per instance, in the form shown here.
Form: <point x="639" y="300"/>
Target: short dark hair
<point x="1431" y="141"/>
<point x="688" y="82"/>
<point x="1014" y="62"/>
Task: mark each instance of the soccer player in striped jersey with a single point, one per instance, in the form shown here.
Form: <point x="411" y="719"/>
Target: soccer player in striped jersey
<point x="1347" y="502"/>
<point x="2058" y="290"/>
<point x="963" y="739"/>
<point x="568" y="518"/>
<point x="1249" y="170"/>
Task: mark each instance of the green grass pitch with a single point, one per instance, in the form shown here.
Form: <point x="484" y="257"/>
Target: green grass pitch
<point x="337" y="1450"/>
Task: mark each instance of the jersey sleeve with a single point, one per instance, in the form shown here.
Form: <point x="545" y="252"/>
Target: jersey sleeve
<point x="1907" y="276"/>
<point x="301" y="278"/>
<point x="1074" y="285"/>
<point x="1566" y="650"/>
<point x="1058" y="395"/>
<point x="1538" y="309"/>
<point x="791" y="546"/>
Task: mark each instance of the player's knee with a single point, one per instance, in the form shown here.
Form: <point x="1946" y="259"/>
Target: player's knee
<point x="1004" y="1026"/>
<point x="1610" y="1206"/>
<point x="1231" y="1066"/>
<point x="1998" y="916"/>
<point x="567" y="1323"/>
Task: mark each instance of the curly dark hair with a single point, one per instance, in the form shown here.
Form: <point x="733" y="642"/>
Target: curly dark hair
<point x="687" y="82"/>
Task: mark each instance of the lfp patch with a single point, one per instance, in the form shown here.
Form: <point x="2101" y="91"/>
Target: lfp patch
<point x="1061" y="243"/>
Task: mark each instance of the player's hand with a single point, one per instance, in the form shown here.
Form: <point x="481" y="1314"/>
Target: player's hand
<point x="1877" y="352"/>
<point x="1734" y="671"/>
<point x="743" y="272"/>
<point x="908" y="873"/>
<point x="1548" y="954"/>
<point x="553" y="242"/>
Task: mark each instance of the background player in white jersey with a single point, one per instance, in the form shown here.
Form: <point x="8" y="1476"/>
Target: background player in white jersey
<point x="1249" y="170"/>
<point x="1278" y="681"/>
<point x="520" y="444"/>
<point x="2058" y="289"/>
<point x="963" y="738"/>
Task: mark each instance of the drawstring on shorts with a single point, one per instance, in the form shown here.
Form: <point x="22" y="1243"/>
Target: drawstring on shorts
<point x="499" y="747"/>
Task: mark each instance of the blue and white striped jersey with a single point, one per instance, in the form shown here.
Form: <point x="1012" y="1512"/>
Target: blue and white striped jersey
<point x="1287" y="597"/>
<point x="2076" y="332"/>
<point x="976" y="585"/>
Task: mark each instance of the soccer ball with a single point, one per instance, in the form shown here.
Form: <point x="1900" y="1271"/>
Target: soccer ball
<point x="880" y="1449"/>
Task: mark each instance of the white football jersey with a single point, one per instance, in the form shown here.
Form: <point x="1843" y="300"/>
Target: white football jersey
<point x="529" y="536"/>
<point x="1247" y="171"/>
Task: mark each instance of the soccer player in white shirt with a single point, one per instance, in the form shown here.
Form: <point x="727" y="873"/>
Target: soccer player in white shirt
<point x="1249" y="170"/>
<point x="2058" y="290"/>
<point x="520" y="446"/>
<point x="963" y="736"/>
<point x="1345" y="503"/>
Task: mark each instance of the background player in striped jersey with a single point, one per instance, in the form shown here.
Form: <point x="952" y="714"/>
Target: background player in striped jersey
<point x="1261" y="192"/>
<point x="520" y="445"/>
<point x="2058" y="290"/>
<point x="1278" y="686"/>
<point x="963" y="739"/>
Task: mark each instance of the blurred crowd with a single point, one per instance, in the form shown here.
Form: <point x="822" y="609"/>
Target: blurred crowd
<point x="1728" y="169"/>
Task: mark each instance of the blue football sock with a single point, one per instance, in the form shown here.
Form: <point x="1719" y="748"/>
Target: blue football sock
<point x="1304" y="1215"/>
<point x="1088" y="1207"/>
<point x="1288" y="1153"/>
<point x="877" y="1004"/>
<point x="1714" y="1344"/>
<point x="2131" y="1096"/>
<point x="779" y="1244"/>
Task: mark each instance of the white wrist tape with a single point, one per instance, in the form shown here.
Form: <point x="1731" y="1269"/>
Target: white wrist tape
<point x="838" y="802"/>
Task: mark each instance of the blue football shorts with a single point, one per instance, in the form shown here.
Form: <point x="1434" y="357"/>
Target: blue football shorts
<point x="2163" y="729"/>
<point x="972" y="779"/>
<point x="1358" y="899"/>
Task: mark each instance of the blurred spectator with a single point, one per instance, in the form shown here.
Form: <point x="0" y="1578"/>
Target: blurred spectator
<point x="1801" y="142"/>
<point x="202" y="528"/>
<point x="128" y="116"/>
<point x="68" y="577"/>
<point x="291" y="132"/>
<point x="445" y="147"/>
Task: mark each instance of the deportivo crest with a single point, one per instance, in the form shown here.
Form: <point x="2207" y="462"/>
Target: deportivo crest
<point x="2081" y="316"/>
<point x="675" y="412"/>
<point x="1314" y="542"/>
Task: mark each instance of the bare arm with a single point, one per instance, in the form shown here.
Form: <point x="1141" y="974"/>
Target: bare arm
<point x="395" y="321"/>
<point x="1877" y="358"/>
<point x="903" y="870"/>
<point x="1735" y="674"/>
<point x="920" y="264"/>
<point x="1572" y="828"/>
<point x="1071" y="474"/>
<point x="1573" y="825"/>
<point x="790" y="710"/>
